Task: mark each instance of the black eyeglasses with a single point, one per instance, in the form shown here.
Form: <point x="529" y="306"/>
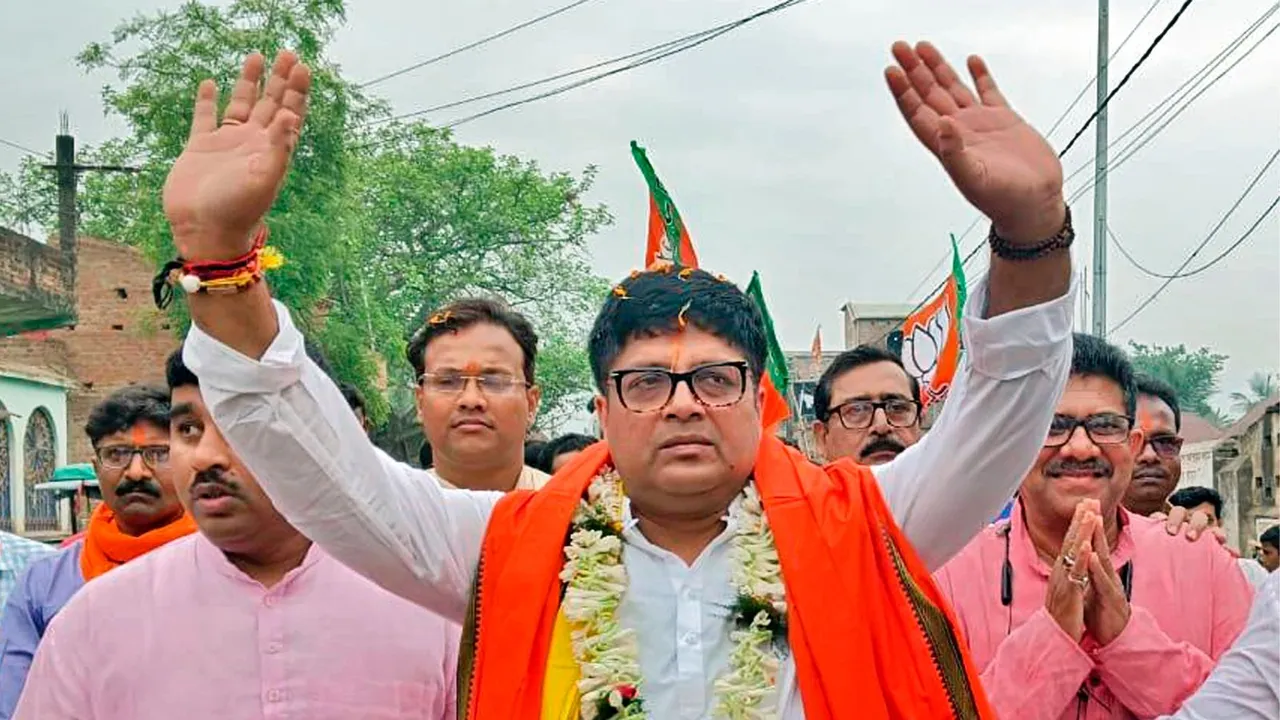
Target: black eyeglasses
<point x="1102" y="429"/>
<point x="859" y="414"/>
<point x="649" y="389"/>
<point x="119" y="457"/>
<point x="1166" y="445"/>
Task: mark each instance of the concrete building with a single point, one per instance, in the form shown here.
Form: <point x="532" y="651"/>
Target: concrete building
<point x="871" y="323"/>
<point x="1246" y="473"/>
<point x="1199" y="439"/>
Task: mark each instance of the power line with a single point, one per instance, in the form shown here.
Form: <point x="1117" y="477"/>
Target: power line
<point x="1056" y="123"/>
<point x="1146" y="54"/>
<point x="476" y="44"/>
<point x="1171" y="100"/>
<point x="1087" y="86"/>
<point x="639" y="58"/>
<point x="1146" y="136"/>
<point x="1212" y="233"/>
<point x="23" y="148"/>
<point x="541" y="81"/>
<point x="1239" y="241"/>
<point x="1150" y="132"/>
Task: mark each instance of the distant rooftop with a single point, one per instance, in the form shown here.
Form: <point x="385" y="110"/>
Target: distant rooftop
<point x="1196" y="429"/>
<point x="878" y="311"/>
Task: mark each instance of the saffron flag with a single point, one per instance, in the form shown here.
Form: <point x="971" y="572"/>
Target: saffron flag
<point x="668" y="237"/>
<point x="815" y="352"/>
<point x="776" y="375"/>
<point x="931" y="342"/>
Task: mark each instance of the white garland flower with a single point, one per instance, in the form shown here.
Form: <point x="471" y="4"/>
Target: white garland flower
<point x="607" y="654"/>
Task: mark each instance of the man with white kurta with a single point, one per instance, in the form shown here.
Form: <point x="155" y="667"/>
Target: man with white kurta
<point x="708" y="570"/>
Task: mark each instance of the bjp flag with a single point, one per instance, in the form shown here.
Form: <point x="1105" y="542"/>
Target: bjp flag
<point x="931" y="343"/>
<point x="668" y="237"/>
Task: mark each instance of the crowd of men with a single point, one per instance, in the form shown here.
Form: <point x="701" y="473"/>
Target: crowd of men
<point x="256" y="556"/>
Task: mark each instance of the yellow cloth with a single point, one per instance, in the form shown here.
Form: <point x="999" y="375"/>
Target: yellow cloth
<point x="560" y="697"/>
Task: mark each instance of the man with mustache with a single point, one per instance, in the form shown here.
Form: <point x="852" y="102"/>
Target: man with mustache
<point x="690" y="566"/>
<point x="1158" y="467"/>
<point x="868" y="407"/>
<point x="244" y="619"/>
<point x="473" y="361"/>
<point x="129" y="431"/>
<point x="1076" y="608"/>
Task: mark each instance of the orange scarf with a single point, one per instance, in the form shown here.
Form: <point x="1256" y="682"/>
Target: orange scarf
<point x="871" y="635"/>
<point x="106" y="548"/>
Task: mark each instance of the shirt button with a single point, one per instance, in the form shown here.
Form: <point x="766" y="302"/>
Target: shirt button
<point x="689" y="638"/>
<point x="274" y="648"/>
<point x="275" y="695"/>
<point x="269" y="601"/>
<point x="691" y="594"/>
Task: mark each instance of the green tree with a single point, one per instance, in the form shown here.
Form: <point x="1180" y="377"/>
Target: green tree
<point x="378" y="222"/>
<point x="1192" y="374"/>
<point x="1261" y="385"/>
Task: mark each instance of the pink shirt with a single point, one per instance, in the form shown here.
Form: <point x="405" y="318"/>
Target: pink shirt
<point x="1189" y="603"/>
<point x="181" y="633"/>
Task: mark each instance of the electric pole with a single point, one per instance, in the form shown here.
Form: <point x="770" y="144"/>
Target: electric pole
<point x="68" y="174"/>
<point x="1100" y="179"/>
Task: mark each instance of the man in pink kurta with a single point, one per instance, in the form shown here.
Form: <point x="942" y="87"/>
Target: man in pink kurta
<point x="244" y="620"/>
<point x="1049" y="622"/>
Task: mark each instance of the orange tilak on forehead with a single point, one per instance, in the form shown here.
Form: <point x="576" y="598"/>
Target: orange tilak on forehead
<point x="471" y="368"/>
<point x="138" y="436"/>
<point x="681" y="324"/>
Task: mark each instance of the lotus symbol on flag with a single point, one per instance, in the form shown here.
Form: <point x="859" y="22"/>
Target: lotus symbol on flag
<point x="923" y="346"/>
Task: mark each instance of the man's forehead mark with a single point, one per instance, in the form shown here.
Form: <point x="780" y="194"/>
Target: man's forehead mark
<point x="471" y="368"/>
<point x="137" y="435"/>
<point x="681" y="324"/>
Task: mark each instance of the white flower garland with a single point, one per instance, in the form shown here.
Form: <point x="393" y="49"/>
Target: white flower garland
<point x="607" y="655"/>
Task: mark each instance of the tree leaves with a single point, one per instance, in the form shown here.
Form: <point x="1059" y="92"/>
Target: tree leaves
<point x="377" y="224"/>
<point x="1193" y="374"/>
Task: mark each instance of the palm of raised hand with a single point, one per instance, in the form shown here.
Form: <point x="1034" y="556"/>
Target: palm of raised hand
<point x="998" y="162"/>
<point x="227" y="177"/>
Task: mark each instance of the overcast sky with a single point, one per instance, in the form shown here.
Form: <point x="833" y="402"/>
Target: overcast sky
<point x="783" y="149"/>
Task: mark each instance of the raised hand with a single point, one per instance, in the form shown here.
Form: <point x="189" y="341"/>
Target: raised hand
<point x="1069" y="579"/>
<point x="228" y="176"/>
<point x="998" y="162"/>
<point x="1106" y="610"/>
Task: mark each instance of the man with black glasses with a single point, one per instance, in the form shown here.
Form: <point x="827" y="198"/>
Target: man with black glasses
<point x="1076" y="608"/>
<point x="1158" y="466"/>
<point x="868" y="407"/>
<point x="139" y="513"/>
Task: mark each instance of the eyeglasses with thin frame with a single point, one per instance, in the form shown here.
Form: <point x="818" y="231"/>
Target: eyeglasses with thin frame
<point x="119" y="457"/>
<point x="1165" y="444"/>
<point x="489" y="383"/>
<point x="651" y="389"/>
<point x="1102" y="429"/>
<point x="860" y="414"/>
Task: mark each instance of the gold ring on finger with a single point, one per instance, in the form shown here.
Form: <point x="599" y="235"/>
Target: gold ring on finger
<point x="1080" y="582"/>
<point x="232" y="121"/>
<point x="1068" y="560"/>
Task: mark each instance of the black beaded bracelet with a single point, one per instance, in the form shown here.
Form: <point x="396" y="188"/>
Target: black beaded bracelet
<point x="1006" y="250"/>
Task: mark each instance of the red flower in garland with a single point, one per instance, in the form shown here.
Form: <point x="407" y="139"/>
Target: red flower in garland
<point x="628" y="692"/>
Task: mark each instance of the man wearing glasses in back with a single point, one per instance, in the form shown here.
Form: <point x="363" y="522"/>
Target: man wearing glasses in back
<point x="140" y="512"/>
<point x="474" y="365"/>
<point x="1075" y="608"/>
<point x="868" y="407"/>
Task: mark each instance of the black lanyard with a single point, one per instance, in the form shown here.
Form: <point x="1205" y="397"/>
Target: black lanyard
<point x="1006" y="574"/>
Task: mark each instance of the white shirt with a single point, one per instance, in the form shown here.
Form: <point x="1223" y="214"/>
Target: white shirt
<point x="1245" y="684"/>
<point x="289" y="423"/>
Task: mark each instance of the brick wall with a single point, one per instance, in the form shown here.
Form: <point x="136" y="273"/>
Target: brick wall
<point x="120" y="338"/>
<point x="30" y="266"/>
